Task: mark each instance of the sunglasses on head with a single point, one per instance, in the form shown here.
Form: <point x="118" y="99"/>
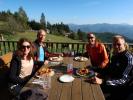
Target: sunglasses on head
<point x="24" y="46"/>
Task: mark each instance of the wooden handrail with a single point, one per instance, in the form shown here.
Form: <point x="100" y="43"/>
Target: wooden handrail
<point x="78" y="47"/>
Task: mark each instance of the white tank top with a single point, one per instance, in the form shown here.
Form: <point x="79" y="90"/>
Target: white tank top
<point x="26" y="68"/>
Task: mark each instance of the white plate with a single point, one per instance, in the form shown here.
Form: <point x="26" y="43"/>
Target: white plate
<point x="56" y="59"/>
<point x="81" y="58"/>
<point x="53" y="63"/>
<point x="66" y="78"/>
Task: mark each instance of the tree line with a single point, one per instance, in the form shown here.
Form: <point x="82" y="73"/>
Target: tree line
<point x="19" y="22"/>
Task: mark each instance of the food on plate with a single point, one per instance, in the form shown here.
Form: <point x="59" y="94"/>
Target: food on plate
<point x="81" y="58"/>
<point x="56" y="58"/>
<point x="46" y="71"/>
<point x="82" y="71"/>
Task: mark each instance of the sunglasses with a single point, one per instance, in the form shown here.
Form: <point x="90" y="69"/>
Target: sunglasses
<point x="90" y="37"/>
<point x="28" y="46"/>
<point x="117" y="44"/>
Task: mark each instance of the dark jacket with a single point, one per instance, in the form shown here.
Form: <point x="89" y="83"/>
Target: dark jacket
<point x="15" y="67"/>
<point x="121" y="69"/>
<point x="16" y="83"/>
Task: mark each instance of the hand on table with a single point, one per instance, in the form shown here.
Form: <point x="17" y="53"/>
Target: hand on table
<point x="61" y="54"/>
<point x="96" y="80"/>
<point x="46" y="62"/>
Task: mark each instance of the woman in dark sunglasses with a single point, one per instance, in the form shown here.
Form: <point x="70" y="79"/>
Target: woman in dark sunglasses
<point x="21" y="66"/>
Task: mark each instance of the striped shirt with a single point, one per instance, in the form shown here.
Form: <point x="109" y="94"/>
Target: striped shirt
<point x="121" y="69"/>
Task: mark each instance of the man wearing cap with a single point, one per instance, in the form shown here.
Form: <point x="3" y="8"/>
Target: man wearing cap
<point x="97" y="53"/>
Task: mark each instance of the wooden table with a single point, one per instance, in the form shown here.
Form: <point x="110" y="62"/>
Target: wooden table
<point x="79" y="89"/>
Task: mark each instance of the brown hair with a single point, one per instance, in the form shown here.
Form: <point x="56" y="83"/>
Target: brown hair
<point x="19" y="47"/>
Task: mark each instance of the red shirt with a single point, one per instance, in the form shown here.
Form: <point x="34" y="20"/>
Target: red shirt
<point x="98" y="55"/>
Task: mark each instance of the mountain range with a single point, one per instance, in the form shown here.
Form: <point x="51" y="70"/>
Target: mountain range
<point x="123" y="29"/>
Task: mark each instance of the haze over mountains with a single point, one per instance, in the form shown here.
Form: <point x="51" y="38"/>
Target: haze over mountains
<point x="124" y="29"/>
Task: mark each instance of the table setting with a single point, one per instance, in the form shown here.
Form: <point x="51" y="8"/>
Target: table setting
<point x="65" y="69"/>
<point x="57" y="79"/>
<point x="78" y="71"/>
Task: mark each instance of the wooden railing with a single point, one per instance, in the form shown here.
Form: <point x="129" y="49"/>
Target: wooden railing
<point x="7" y="46"/>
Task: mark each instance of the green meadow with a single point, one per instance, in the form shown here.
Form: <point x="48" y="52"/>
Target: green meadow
<point x="32" y="37"/>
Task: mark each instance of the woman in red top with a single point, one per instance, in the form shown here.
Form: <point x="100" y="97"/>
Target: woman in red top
<point x="97" y="52"/>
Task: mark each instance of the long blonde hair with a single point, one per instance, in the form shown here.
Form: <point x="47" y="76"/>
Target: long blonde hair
<point x="117" y="37"/>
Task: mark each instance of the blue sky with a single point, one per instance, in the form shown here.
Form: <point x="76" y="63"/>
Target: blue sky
<point x="75" y="11"/>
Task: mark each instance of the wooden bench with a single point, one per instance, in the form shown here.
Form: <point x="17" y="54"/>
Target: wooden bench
<point x="4" y="68"/>
<point x="5" y="59"/>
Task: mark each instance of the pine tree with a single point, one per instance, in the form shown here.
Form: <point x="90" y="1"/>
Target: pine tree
<point x="43" y="21"/>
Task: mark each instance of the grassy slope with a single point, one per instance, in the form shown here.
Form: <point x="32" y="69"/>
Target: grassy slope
<point x="32" y="36"/>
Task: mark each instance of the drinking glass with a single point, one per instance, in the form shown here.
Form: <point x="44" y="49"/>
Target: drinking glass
<point x="46" y="81"/>
<point x="69" y="68"/>
<point x="66" y="52"/>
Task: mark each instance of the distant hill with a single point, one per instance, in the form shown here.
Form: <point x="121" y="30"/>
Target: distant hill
<point x="124" y="29"/>
<point x="107" y="37"/>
